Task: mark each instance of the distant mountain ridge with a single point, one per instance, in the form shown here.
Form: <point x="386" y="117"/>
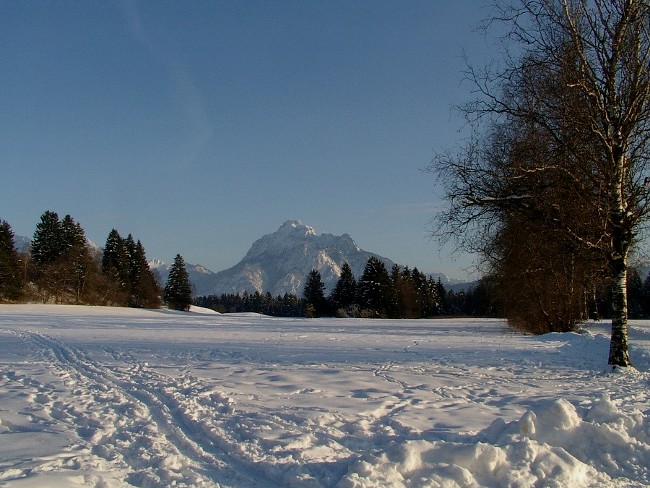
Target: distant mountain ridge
<point x="23" y="244"/>
<point x="198" y="275"/>
<point x="277" y="263"/>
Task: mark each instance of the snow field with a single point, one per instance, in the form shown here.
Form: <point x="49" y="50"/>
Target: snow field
<point x="103" y="397"/>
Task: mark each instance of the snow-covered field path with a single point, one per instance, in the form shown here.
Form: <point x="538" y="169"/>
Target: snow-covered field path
<point x="103" y="397"/>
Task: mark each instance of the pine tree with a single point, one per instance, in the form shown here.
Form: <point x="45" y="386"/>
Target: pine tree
<point x="178" y="290"/>
<point x="48" y="243"/>
<point x="110" y="258"/>
<point x="344" y="293"/>
<point x="144" y="288"/>
<point x="441" y="293"/>
<point x="72" y="234"/>
<point x="75" y="260"/>
<point x="61" y="258"/>
<point x="129" y="270"/>
<point x="634" y="294"/>
<point x="396" y="293"/>
<point x="115" y="261"/>
<point x="432" y="300"/>
<point x="374" y="288"/>
<point x="11" y="279"/>
<point x="646" y="296"/>
<point x="405" y="297"/>
<point x="314" y="293"/>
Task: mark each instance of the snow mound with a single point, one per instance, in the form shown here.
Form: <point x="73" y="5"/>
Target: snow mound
<point x="551" y="445"/>
<point x="203" y="310"/>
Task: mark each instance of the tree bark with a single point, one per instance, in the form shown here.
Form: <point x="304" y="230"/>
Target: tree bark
<point x="618" y="346"/>
<point x="618" y="349"/>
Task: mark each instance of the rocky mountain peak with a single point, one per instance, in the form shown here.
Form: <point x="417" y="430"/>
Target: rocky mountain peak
<point x="279" y="262"/>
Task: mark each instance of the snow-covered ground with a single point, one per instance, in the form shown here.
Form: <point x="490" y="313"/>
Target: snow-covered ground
<point x="104" y="397"/>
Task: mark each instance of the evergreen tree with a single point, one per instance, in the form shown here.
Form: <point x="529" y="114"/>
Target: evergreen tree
<point x="344" y="293"/>
<point x="646" y="296"/>
<point x="442" y="297"/>
<point x="374" y="288"/>
<point x="405" y="293"/>
<point x="61" y="258"/>
<point x="144" y="287"/>
<point x="72" y="234"/>
<point x="48" y="243"/>
<point x="314" y="293"/>
<point x="178" y="290"/>
<point x="115" y="261"/>
<point x="634" y="294"/>
<point x="110" y="258"/>
<point x="431" y="299"/>
<point x="75" y="261"/>
<point x="11" y="279"/>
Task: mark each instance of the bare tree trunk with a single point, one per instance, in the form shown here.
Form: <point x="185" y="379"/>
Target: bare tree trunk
<point x="618" y="349"/>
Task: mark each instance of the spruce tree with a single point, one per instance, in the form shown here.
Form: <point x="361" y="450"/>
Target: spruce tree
<point x="344" y="293"/>
<point x="405" y="290"/>
<point x="634" y="294"/>
<point x="374" y="288"/>
<point x="48" y="243"/>
<point x="110" y="259"/>
<point x="11" y="279"/>
<point x="62" y="261"/>
<point x="144" y="288"/>
<point x="75" y="261"/>
<point x="314" y="293"/>
<point x="646" y="296"/>
<point x="72" y="234"/>
<point x="115" y="261"/>
<point x="178" y="290"/>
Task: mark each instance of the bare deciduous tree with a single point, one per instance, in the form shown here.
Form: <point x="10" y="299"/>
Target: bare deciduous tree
<point x="564" y="138"/>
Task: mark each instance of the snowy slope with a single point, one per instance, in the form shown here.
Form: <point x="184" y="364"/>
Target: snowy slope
<point x="106" y="397"/>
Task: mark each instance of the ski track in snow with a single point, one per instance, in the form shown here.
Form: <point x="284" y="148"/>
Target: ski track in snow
<point x="139" y="409"/>
<point x="296" y="403"/>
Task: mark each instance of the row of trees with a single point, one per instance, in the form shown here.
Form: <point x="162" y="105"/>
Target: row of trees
<point x="287" y="305"/>
<point x="402" y="293"/>
<point x="476" y="301"/>
<point x="552" y="188"/>
<point x="60" y="266"/>
<point x="11" y="267"/>
<point x="472" y="302"/>
<point x="124" y="264"/>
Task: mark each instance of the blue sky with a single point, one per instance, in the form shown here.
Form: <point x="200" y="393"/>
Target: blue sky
<point x="200" y="126"/>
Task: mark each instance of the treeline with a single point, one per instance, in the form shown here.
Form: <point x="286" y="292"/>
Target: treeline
<point x="287" y="305"/>
<point x="400" y="293"/>
<point x="60" y="267"/>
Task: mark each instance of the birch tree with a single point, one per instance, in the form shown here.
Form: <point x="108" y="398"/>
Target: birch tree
<point x="563" y="132"/>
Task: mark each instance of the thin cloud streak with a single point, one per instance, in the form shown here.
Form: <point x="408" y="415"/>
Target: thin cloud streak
<point x="189" y="97"/>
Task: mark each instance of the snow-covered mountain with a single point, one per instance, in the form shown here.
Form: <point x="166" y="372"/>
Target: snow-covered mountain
<point x="23" y="244"/>
<point x="279" y="262"/>
<point x="199" y="275"/>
